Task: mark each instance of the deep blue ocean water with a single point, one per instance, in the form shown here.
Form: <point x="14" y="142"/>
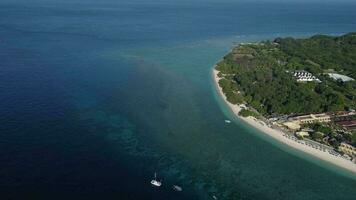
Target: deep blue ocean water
<point x="97" y="96"/>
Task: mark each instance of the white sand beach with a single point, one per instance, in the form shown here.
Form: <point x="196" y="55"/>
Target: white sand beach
<point x="281" y="137"/>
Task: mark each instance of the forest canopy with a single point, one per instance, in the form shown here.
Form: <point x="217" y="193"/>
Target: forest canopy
<point x="261" y="75"/>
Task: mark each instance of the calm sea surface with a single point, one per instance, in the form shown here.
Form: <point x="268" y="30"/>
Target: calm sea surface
<point x="96" y="96"/>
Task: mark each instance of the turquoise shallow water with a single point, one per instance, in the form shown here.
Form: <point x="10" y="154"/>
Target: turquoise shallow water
<point x="96" y="97"/>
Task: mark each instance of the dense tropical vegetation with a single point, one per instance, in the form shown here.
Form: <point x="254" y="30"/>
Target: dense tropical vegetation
<point x="261" y="75"/>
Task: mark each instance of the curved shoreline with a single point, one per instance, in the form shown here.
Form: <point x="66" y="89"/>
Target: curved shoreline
<point x="281" y="136"/>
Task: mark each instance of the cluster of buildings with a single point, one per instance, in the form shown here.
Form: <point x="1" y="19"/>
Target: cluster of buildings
<point x="346" y="120"/>
<point x="348" y="124"/>
<point x="304" y="76"/>
<point x="294" y="123"/>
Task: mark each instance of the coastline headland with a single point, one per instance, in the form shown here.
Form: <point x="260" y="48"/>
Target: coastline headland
<point x="283" y="137"/>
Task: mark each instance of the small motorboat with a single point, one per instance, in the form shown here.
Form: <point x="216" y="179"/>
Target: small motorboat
<point x="214" y="197"/>
<point x="177" y="188"/>
<point x="155" y="182"/>
<point x="227" y="121"/>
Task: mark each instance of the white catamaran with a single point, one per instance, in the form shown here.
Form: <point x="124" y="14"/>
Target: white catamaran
<point x="155" y="182"/>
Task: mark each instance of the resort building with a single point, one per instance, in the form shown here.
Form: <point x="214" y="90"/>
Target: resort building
<point x="312" y="118"/>
<point x="304" y="76"/>
<point x="347" y="148"/>
<point x="348" y="124"/>
<point x="343" y="115"/>
<point x="340" y="77"/>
